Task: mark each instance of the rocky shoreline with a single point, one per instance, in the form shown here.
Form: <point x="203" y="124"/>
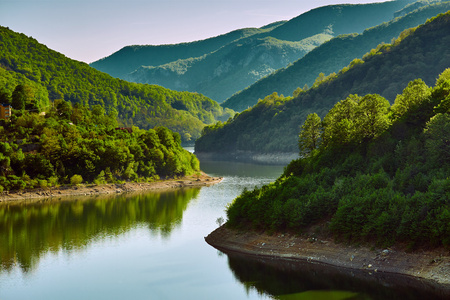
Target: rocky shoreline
<point x="93" y="189"/>
<point x="432" y="267"/>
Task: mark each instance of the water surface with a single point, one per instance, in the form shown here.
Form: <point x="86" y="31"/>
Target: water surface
<point x="151" y="246"/>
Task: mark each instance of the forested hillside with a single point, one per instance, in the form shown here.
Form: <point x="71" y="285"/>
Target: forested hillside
<point x="130" y="58"/>
<point x="48" y="76"/>
<point x="369" y="173"/>
<point x="273" y="124"/>
<point x="231" y="68"/>
<point x="254" y="53"/>
<point x="331" y="57"/>
<point x="72" y="144"/>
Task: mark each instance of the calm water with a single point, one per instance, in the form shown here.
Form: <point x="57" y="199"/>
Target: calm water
<point x="151" y="246"/>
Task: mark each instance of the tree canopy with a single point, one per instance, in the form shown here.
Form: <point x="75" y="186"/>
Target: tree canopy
<point x="383" y="179"/>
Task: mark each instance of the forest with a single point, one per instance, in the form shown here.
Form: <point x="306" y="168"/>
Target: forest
<point x="220" y="66"/>
<point x="272" y="125"/>
<point x="72" y="144"/>
<point x="369" y="172"/>
<point x="51" y="76"/>
<point x="332" y="56"/>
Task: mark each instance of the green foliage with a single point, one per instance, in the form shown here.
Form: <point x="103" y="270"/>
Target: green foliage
<point x="71" y="144"/>
<point x="219" y="67"/>
<point x="32" y="76"/>
<point x="310" y="133"/>
<point x="76" y="179"/>
<point x="378" y="177"/>
<point x="343" y="53"/>
<point x="267" y="128"/>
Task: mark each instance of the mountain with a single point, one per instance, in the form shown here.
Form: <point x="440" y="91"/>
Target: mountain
<point x="272" y="125"/>
<point x="330" y="57"/>
<point x="49" y="75"/>
<point x="231" y="68"/>
<point x="377" y="176"/>
<point x="220" y="71"/>
<point x="129" y="58"/>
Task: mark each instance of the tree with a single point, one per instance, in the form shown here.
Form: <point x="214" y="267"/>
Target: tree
<point x="413" y="95"/>
<point x="19" y="97"/>
<point x="5" y="97"/>
<point x="310" y="134"/>
<point x="437" y="133"/>
<point x="371" y="118"/>
<point x="339" y="123"/>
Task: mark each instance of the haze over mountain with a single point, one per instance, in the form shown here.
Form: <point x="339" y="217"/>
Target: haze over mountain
<point x="273" y="124"/>
<point x="219" y="73"/>
<point x="332" y="56"/>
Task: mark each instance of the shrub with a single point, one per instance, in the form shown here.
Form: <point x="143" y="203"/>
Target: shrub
<point x="76" y="179"/>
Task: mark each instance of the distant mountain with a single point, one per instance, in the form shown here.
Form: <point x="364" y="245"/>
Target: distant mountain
<point x="220" y="74"/>
<point x="330" y="57"/>
<point x="49" y="75"/>
<point x="249" y="54"/>
<point x="130" y="58"/>
<point x="273" y="124"/>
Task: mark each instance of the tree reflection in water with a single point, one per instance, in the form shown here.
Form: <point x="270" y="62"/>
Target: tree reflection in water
<point x="288" y="279"/>
<point x="29" y="229"/>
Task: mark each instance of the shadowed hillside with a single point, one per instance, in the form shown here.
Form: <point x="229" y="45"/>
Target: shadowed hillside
<point x="330" y="57"/>
<point x="273" y="124"/>
<point x="219" y="67"/>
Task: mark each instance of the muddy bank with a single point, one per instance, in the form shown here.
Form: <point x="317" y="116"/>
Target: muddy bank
<point x="92" y="189"/>
<point x="430" y="266"/>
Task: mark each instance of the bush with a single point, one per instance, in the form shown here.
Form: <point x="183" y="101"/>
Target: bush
<point x="76" y="179"/>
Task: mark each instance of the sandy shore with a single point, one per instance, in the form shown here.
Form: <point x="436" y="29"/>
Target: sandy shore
<point x="92" y="189"/>
<point x="432" y="266"/>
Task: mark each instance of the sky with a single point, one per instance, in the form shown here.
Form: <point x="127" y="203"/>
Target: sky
<point x="88" y="30"/>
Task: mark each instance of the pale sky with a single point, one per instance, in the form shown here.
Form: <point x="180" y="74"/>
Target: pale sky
<point x="87" y="30"/>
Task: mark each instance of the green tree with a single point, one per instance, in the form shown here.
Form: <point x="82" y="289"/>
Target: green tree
<point x="413" y="95"/>
<point x="437" y="133"/>
<point x="19" y="97"/>
<point x="371" y="118"/>
<point x="339" y="123"/>
<point x="310" y="134"/>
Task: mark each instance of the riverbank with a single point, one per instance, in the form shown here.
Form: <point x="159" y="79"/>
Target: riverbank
<point x="431" y="266"/>
<point x="93" y="189"/>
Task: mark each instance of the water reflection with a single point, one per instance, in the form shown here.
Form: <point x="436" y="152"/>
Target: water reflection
<point x="30" y="229"/>
<point x="286" y="279"/>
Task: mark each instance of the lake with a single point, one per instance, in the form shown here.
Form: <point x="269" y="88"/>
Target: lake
<point x="151" y="246"/>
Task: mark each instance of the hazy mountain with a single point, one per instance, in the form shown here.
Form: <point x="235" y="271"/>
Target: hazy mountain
<point x="330" y="57"/>
<point x="249" y="54"/>
<point x="273" y="124"/>
<point x="231" y="68"/>
<point x="129" y="58"/>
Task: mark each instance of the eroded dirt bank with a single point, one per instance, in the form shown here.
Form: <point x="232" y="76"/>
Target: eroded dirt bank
<point x="92" y="189"/>
<point x="432" y="266"/>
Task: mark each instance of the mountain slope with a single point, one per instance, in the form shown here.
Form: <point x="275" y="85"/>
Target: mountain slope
<point x="129" y="58"/>
<point x="330" y="57"/>
<point x="273" y="124"/>
<point x="321" y="22"/>
<point x="50" y="76"/>
<point x="231" y="68"/>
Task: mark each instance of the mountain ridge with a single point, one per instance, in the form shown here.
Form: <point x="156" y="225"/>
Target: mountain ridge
<point x="272" y="125"/>
<point x="329" y="20"/>
<point x="329" y="57"/>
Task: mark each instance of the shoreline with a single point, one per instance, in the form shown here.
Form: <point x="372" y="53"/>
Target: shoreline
<point x="104" y="189"/>
<point x="430" y="266"/>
